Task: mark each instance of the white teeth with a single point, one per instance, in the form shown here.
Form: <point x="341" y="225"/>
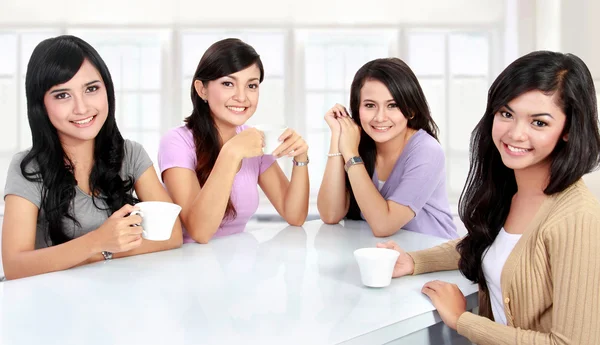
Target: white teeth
<point x="516" y="149"/>
<point x="382" y="128"/>
<point x="83" y="122"/>
<point x="237" y="109"/>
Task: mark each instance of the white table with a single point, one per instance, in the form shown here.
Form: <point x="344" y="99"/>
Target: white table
<point x="273" y="285"/>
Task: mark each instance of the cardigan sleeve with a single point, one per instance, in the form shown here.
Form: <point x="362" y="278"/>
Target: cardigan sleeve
<point x="573" y="246"/>
<point x="440" y="258"/>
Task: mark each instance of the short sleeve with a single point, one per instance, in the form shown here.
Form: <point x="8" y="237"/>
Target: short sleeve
<point x="422" y="174"/>
<point x="137" y="159"/>
<point x="175" y="152"/>
<point x="265" y="162"/>
<point x="17" y="184"/>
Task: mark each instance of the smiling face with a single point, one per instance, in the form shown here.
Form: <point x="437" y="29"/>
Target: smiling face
<point x="526" y="130"/>
<point x="79" y="107"/>
<point x="380" y="116"/>
<point x="233" y="98"/>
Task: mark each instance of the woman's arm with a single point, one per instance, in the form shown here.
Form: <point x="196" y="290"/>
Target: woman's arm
<point x="203" y="208"/>
<point x="572" y="247"/>
<point x="290" y="199"/>
<point x="21" y="259"/>
<point x="333" y="200"/>
<point x="148" y="188"/>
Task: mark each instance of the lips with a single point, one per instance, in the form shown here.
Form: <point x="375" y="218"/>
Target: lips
<point x="515" y="150"/>
<point x="86" y="122"/>
<point x="381" y="128"/>
<point x="237" y="110"/>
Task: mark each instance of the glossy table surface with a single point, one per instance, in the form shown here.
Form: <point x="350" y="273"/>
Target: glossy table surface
<point x="268" y="285"/>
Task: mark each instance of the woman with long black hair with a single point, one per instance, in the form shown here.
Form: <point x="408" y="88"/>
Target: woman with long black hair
<point x="67" y="199"/>
<point x="533" y="239"/>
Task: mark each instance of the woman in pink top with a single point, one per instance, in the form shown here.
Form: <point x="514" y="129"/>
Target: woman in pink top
<point x="212" y="164"/>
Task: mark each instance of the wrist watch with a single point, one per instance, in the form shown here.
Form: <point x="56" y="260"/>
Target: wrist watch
<point x="300" y="164"/>
<point x="353" y="161"/>
<point x="107" y="255"/>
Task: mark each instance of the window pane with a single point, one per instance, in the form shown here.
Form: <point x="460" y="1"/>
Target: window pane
<point x="130" y="61"/>
<point x="151" y="109"/>
<point x="469" y="54"/>
<point x="435" y="94"/>
<point x="128" y="117"/>
<point x="271" y="103"/>
<point x="151" y="68"/>
<point x="314" y="58"/>
<point x="318" y="143"/>
<point x="8" y="107"/>
<point x="29" y="41"/>
<point x="186" y="100"/>
<point x="315" y="110"/>
<point x="427" y="53"/>
<point x="8" y="54"/>
<point x="271" y="48"/>
<point x="458" y="171"/>
<point x="25" y="136"/>
<point x="334" y="68"/>
<point x="467" y="104"/>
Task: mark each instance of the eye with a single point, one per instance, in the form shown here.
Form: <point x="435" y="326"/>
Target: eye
<point x="92" y="88"/>
<point x="506" y="114"/>
<point x="61" y="95"/>
<point x="369" y="105"/>
<point x="253" y="86"/>
<point x="227" y="83"/>
<point x="539" y="123"/>
<point x="392" y="105"/>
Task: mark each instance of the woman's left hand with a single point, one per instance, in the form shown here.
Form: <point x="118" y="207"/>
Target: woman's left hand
<point x="293" y="145"/>
<point x="447" y="299"/>
<point x="349" y="137"/>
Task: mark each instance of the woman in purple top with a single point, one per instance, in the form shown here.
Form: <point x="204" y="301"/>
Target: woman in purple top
<point x="385" y="164"/>
<point x="211" y="166"/>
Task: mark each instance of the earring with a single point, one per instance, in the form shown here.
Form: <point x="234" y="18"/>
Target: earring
<point x="205" y="101"/>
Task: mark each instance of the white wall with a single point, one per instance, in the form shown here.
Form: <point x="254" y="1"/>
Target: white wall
<point x="203" y="12"/>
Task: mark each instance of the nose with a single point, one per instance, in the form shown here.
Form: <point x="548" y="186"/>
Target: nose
<point x="240" y="93"/>
<point x="80" y="108"/>
<point x="518" y="131"/>
<point x="380" y="115"/>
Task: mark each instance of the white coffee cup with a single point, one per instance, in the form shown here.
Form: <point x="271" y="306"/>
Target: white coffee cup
<point x="272" y="134"/>
<point x="158" y="218"/>
<point x="376" y="265"/>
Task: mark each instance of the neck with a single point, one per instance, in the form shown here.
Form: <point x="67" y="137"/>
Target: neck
<point x="533" y="180"/>
<point x="80" y="153"/>
<point x="392" y="149"/>
<point x="226" y="132"/>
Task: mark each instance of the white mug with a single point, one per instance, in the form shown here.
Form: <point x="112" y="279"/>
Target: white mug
<point x="272" y="134"/>
<point x="376" y="265"/>
<point x="158" y="218"/>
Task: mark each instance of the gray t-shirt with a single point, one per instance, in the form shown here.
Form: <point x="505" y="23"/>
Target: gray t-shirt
<point x="135" y="162"/>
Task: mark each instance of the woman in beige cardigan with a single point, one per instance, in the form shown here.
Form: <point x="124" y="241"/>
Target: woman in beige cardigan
<point x="533" y="242"/>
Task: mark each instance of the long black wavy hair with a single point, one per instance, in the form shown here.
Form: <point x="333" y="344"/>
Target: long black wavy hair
<point x="485" y="201"/>
<point x="55" y="61"/>
<point x="221" y="59"/>
<point x="410" y="99"/>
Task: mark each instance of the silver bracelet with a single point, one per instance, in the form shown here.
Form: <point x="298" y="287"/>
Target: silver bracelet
<point x="334" y="154"/>
<point x="300" y="164"/>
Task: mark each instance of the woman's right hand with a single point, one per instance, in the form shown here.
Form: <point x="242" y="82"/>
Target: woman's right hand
<point x="331" y="116"/>
<point x="248" y="143"/>
<point x="405" y="264"/>
<point x="117" y="234"/>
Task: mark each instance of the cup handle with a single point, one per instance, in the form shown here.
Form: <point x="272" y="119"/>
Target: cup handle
<point x="141" y="214"/>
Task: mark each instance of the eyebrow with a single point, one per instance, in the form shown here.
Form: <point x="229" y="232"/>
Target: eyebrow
<point x="370" y="100"/>
<point x="534" y="115"/>
<point x="66" y="89"/>
<point x="234" y="78"/>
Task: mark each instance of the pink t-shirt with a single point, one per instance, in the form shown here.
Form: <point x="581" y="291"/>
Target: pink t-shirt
<point x="177" y="150"/>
